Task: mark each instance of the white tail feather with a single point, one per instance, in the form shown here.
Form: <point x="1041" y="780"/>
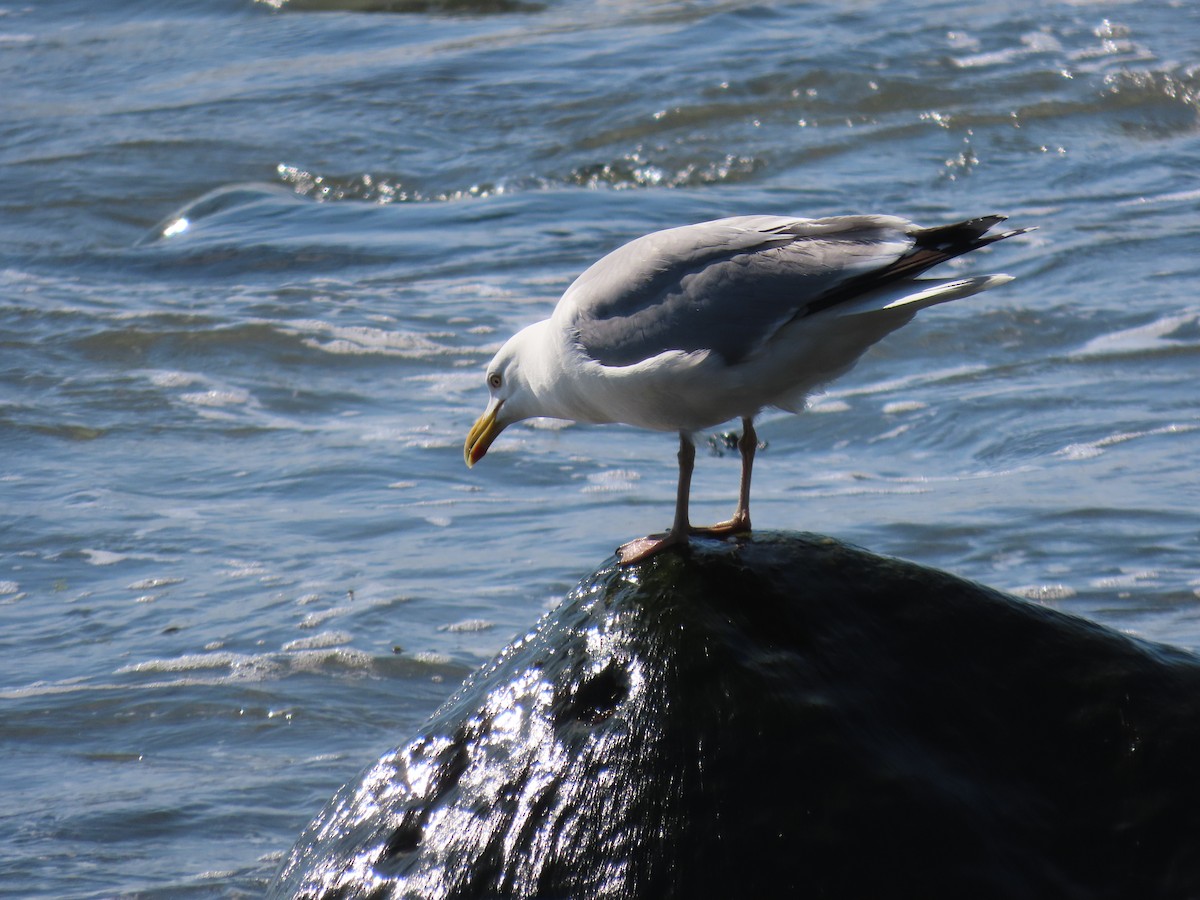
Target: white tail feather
<point x="919" y="294"/>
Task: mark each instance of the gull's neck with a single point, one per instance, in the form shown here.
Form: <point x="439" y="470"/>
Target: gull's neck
<point x="550" y="368"/>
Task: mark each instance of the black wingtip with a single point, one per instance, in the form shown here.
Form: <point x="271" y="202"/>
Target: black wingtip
<point x="1016" y="231"/>
<point x="931" y="246"/>
<point x="1003" y="235"/>
<point x="962" y="237"/>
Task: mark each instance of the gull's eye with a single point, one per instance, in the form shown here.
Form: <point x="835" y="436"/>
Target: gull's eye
<point x="494" y="381"/>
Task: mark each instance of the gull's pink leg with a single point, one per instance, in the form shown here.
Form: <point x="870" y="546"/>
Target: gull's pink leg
<point x="644" y="548"/>
<point x="740" y="522"/>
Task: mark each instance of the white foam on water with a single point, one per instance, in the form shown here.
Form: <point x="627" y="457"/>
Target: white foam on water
<point x="899" y="407"/>
<point x="468" y="625"/>
<point x="1091" y="449"/>
<point x="103" y="557"/>
<point x="172" y="379"/>
<point x="612" y="481"/>
<point x="1044" y="593"/>
<point x="147" y="584"/>
<point x="363" y="340"/>
<point x="1156" y="335"/>
<point x="319" y="641"/>
<point x="217" y="397"/>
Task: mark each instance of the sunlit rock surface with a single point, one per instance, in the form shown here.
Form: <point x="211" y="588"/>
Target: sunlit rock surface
<point x="785" y="715"/>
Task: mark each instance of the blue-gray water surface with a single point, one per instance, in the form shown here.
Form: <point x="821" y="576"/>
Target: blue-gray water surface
<point x="255" y="255"/>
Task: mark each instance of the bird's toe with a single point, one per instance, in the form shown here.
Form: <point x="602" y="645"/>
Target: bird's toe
<point x="739" y="524"/>
<point x="645" y="547"/>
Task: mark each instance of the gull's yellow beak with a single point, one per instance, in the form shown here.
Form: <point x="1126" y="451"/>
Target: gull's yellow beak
<point x="482" y="433"/>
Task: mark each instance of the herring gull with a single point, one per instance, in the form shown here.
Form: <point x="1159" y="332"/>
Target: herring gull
<point x="684" y="329"/>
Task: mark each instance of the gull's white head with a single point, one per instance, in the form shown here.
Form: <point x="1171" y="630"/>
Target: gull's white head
<point x="512" y="398"/>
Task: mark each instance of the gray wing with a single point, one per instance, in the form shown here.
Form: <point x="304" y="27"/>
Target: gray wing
<point x="726" y="286"/>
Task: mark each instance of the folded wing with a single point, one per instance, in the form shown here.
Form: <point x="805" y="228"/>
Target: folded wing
<point x="729" y="285"/>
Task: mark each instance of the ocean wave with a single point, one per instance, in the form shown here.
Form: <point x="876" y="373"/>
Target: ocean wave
<point x="320" y="641"/>
<point x="1091" y="449"/>
<point x="326" y="653"/>
<point x="1044" y="593"/>
<point x="636" y="168"/>
<point x="460" y="7"/>
<point x="1171" y="333"/>
<point x="729" y="133"/>
<point x="1160" y="102"/>
<point x="903" y="382"/>
<point x="360" y="340"/>
<point x="370" y="188"/>
<point x="216" y="204"/>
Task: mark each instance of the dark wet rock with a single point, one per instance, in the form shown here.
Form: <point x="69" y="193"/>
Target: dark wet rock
<point x="786" y="716"/>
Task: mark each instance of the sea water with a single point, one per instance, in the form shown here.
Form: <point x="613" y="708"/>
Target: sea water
<point x="255" y="255"/>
